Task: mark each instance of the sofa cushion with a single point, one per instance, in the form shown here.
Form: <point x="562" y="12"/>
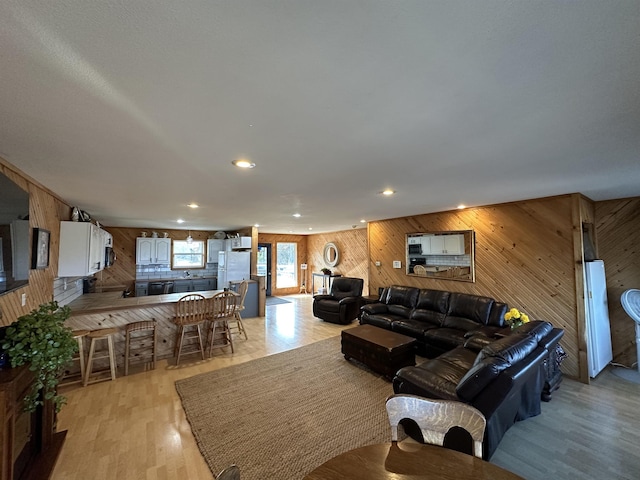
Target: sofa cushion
<point x="413" y="328"/>
<point x="399" y="310"/>
<point x="479" y="376"/>
<point x="445" y="338"/>
<point x="472" y="307"/>
<point x="496" y="316"/>
<point x="511" y="348"/>
<point x="428" y="317"/>
<point x="404" y="296"/>
<point x="439" y="377"/>
<point x="433" y="300"/>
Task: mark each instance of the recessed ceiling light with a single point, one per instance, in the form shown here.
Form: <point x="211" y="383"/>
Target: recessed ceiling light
<point x="461" y="206"/>
<point x="193" y="205"/>
<point x="243" y="163"/>
<point x="256" y="225"/>
<point x="363" y="221"/>
<point x="180" y="220"/>
<point x="388" y="192"/>
<point x="297" y="215"/>
<point x="310" y="228"/>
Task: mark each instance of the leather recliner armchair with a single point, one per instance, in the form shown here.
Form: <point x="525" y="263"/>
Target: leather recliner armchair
<point x="343" y="303"/>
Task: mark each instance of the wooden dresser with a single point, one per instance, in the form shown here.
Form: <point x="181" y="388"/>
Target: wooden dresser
<point x="28" y="441"/>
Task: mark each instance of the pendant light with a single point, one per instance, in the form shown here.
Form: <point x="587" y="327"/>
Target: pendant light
<point x="189" y="239"/>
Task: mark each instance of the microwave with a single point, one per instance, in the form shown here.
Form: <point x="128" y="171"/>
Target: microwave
<point x="415" y="249"/>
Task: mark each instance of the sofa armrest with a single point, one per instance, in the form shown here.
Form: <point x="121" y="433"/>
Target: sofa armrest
<point x="349" y="300"/>
<point x="375" y="308"/>
<point x="322" y="297"/>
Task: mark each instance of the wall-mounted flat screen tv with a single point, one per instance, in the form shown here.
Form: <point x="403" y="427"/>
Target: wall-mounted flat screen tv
<point x="15" y="247"/>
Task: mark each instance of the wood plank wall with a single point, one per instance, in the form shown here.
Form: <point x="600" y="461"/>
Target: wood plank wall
<point x="45" y="211"/>
<point x="122" y="274"/>
<point x="618" y="240"/>
<point x="524" y="257"/>
<point x="354" y="254"/>
<point x="273" y="239"/>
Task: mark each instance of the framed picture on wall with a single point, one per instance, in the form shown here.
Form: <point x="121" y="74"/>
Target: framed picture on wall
<point x="40" y="251"/>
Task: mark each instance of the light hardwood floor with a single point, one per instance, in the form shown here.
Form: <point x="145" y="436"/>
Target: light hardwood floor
<point x="135" y="428"/>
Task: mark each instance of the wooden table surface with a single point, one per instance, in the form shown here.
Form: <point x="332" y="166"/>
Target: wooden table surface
<point x="408" y="461"/>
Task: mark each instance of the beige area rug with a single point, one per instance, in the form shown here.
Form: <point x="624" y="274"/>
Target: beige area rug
<point x="281" y="416"/>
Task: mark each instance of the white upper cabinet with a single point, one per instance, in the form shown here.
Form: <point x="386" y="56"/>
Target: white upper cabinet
<point x="153" y="251"/>
<point x="447" y="245"/>
<point x="214" y="245"/>
<point x="82" y="249"/>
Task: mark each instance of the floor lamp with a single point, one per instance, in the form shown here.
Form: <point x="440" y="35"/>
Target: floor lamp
<point x="630" y="301"/>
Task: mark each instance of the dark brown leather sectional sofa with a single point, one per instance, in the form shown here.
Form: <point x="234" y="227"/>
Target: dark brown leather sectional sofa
<point x="473" y="357"/>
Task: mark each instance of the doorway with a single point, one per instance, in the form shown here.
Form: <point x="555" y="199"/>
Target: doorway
<point x="264" y="264"/>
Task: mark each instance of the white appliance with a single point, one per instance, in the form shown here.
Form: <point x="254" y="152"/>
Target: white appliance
<point x="233" y="267"/>
<point x="600" y="352"/>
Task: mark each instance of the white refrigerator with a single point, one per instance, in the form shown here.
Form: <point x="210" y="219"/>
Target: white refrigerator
<point x="232" y="267"/>
<point x="597" y="315"/>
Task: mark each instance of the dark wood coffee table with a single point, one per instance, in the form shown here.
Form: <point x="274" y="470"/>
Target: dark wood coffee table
<point x="382" y="350"/>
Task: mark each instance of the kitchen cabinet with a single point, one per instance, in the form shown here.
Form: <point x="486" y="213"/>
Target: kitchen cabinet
<point x="82" y="249"/>
<point x="443" y="245"/>
<point x="142" y="289"/>
<point x="214" y="245"/>
<point x="415" y="240"/>
<point x="153" y="251"/>
<point x="194" y="285"/>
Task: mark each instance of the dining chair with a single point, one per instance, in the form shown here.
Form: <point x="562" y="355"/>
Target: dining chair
<point x="235" y="323"/>
<point x="223" y="308"/>
<point x="436" y="418"/>
<point x="232" y="472"/>
<point x="190" y="315"/>
<point x="420" y="270"/>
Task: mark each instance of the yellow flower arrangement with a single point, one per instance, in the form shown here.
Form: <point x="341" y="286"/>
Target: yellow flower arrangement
<point x="515" y="318"/>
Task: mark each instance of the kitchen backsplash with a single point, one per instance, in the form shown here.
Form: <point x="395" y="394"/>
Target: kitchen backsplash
<point x="66" y="290"/>
<point x="154" y="272"/>
<point x="460" y="260"/>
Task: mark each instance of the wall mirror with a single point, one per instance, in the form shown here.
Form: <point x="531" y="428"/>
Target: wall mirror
<point x="15" y="246"/>
<point x="441" y="255"/>
<point x="331" y="254"/>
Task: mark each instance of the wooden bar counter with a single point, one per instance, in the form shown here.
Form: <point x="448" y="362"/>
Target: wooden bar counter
<point x="93" y="311"/>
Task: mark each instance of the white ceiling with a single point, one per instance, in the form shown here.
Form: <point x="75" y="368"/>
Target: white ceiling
<point x="132" y="109"/>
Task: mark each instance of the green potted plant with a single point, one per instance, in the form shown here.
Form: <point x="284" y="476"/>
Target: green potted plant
<point x="326" y="271"/>
<point x="41" y="340"/>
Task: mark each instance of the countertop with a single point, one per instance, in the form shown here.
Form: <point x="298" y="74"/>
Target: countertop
<point x="104" y="302"/>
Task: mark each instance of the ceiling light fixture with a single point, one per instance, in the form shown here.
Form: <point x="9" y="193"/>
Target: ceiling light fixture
<point x="243" y="163"/>
<point x="180" y="220"/>
<point x="461" y="206"/>
<point x="388" y="192"/>
<point x="193" y="205"/>
<point x="189" y="239"/>
<point x="297" y="215"/>
<point x="363" y="221"/>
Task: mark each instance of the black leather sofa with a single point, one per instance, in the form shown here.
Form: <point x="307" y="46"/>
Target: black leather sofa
<point x="343" y="303"/>
<point x="438" y="320"/>
<point x="503" y="378"/>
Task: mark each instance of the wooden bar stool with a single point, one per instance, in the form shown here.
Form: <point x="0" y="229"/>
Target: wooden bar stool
<point x="147" y="338"/>
<point x="96" y="335"/>
<point x="78" y="335"/>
